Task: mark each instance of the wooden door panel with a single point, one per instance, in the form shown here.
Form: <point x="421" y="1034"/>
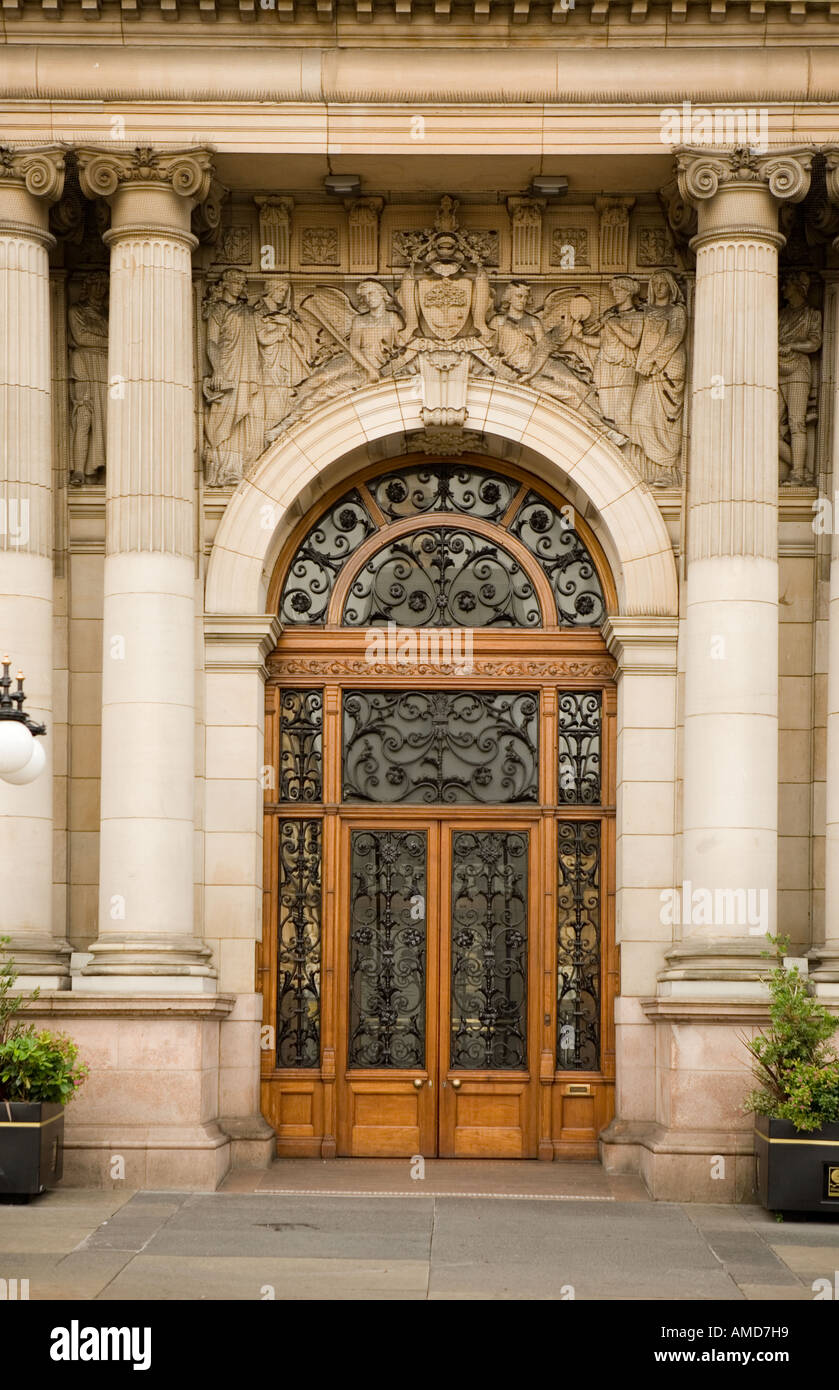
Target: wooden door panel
<point x="388" y="962"/>
<point x="485" y="1118"/>
<point x="490" y="909"/>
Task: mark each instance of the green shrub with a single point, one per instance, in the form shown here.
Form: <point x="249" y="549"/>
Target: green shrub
<point x="34" y="1066"/>
<point x="39" y="1066"/>
<point x="795" y="1062"/>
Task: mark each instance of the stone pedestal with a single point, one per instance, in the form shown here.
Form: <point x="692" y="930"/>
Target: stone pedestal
<point x="31" y="180"/>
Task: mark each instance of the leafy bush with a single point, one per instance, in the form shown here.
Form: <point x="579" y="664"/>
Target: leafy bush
<point x="795" y="1062"/>
<point x="34" y="1066"/>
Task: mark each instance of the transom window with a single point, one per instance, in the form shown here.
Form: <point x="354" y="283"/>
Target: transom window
<point x="443" y="545"/>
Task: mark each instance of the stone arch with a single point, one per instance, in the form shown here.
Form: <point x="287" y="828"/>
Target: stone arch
<point x="517" y="424"/>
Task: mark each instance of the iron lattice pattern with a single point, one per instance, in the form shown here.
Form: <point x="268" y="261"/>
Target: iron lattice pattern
<point x="444" y="575"/>
<point x="579" y="747"/>
<point x="449" y="746"/>
<point x="299" y="944"/>
<point x="578" y="947"/>
<point x="387" y="949"/>
<point x="301" y="745"/>
<point x="489" y="950"/>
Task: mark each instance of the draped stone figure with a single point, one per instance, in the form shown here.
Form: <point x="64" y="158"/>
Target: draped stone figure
<point x="620" y="336"/>
<point x="234" y="425"/>
<point x="799" y="337"/>
<point x="285" y="347"/>
<point x="656" y="417"/>
<point x="87" y="324"/>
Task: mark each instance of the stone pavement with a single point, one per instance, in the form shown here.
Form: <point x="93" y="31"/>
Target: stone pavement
<point x="354" y="1229"/>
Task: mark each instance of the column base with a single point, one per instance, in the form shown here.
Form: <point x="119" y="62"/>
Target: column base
<point x="714" y="969"/>
<point x="42" y="962"/>
<point x="160" y="964"/>
<point x="253" y="1143"/>
<point x="824" y="971"/>
<point x="682" y="1165"/>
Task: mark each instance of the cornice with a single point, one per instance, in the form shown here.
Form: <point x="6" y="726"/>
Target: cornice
<point x="513" y="15"/>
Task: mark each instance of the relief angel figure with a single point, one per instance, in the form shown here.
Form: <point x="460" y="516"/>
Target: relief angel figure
<point x="352" y="345"/>
<point x="549" y="349"/>
<point x="234" y="424"/>
<point x="285" y="350"/>
<point x="87" y="323"/>
<point x="656" y="418"/>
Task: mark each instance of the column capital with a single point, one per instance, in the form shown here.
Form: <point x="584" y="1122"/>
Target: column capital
<point x="31" y="179"/>
<point x="149" y="190"/>
<point x="831" y="170"/>
<point x="736" y="192"/>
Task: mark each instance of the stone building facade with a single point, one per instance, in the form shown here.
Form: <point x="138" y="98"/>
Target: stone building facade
<point x="337" y="334"/>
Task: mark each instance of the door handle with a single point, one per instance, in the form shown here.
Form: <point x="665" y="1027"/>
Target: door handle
<point x="457" y="1083"/>
<point x="419" y="1083"/>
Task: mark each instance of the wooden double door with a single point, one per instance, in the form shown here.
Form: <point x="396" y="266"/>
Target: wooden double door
<point x="439" y="931"/>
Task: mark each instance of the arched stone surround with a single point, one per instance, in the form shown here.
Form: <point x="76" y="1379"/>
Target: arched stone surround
<point x="554" y="445"/>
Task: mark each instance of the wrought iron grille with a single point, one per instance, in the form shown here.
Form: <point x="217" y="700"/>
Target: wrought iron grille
<point x="549" y="535"/>
<point x="446" y="746"/>
<point x="299" y="944"/>
<point x="442" y="487"/>
<point x="578" y="947"/>
<point x="489" y="950"/>
<point x="579" y="747"/>
<point x="301" y="745"/>
<point x="319" y="560"/>
<point x="387" y="948"/>
<point x="443" y="577"/>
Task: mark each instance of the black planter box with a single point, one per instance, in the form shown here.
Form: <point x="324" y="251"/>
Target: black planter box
<point x="794" y="1170"/>
<point x="31" y="1147"/>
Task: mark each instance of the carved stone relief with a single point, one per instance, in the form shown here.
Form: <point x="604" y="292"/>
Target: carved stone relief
<point x="609" y="352"/>
<point x="799" y="339"/>
<point x="320" y="246"/>
<point x="87" y="338"/>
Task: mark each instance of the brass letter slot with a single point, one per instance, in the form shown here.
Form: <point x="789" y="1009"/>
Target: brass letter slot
<point x="577" y="1089"/>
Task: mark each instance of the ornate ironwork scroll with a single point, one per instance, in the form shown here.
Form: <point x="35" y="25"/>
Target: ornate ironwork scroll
<point x="579" y="747"/>
<point x="298" y="945"/>
<point x="449" y="746"/>
<point x="301" y="745"/>
<point x="565" y="560"/>
<point x="319" y="560"/>
<point x="442" y="577"/>
<point x="578" y="947"/>
<point x="387" y="948"/>
<point x="489" y="950"/>
<point x="441" y="487"/>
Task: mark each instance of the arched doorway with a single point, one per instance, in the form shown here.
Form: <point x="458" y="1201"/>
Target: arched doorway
<point x="438" y="962"/>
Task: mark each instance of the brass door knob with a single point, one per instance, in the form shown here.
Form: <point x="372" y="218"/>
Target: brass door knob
<point x="457" y="1084"/>
<point x="419" y="1083"/>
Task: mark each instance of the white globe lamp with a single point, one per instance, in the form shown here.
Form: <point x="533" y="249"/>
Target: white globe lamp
<point x="21" y="758"/>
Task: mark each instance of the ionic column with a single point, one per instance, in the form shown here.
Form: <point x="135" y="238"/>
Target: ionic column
<point x="730" y="807"/>
<point x="826" y="956"/>
<point x="30" y="180"/>
<point x="146" y="878"/>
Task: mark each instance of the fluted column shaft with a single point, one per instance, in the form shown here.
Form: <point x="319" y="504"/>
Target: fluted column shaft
<point x="29" y="181"/>
<point x="827" y="955"/>
<point x="730" y="808"/>
<point x="146" y="885"/>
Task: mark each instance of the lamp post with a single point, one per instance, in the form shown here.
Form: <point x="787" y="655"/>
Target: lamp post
<point x="21" y="758"/>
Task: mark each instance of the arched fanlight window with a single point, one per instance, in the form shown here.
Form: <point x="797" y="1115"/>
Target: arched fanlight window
<point x="443" y="545"/>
